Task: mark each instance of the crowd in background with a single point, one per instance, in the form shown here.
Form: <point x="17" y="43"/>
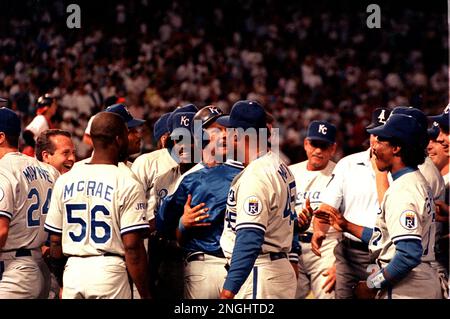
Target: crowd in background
<point x="302" y="61"/>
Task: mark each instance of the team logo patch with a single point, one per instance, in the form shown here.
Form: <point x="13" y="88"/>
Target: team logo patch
<point x="253" y="206"/>
<point x="162" y="193"/>
<point x="2" y="194"/>
<point x="408" y="220"/>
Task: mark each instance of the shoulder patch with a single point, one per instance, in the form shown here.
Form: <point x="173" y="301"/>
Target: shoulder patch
<point x="408" y="220"/>
<point x="252" y="206"/>
<point x="2" y="194"/>
<point x="162" y="193"/>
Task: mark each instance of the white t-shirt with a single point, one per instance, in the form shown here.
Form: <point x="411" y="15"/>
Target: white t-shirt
<point x="353" y="191"/>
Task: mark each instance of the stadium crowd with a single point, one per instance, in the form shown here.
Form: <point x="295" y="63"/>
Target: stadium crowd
<point x="303" y="62"/>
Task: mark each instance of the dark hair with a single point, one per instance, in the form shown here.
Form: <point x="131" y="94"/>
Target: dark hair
<point x="44" y="142"/>
<point x="13" y="140"/>
<point x="412" y="155"/>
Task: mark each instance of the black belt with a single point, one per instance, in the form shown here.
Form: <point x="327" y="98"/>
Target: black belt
<point x="23" y="252"/>
<point x="273" y="256"/>
<point x="305" y="237"/>
<point x="201" y="256"/>
<point x="355" y="244"/>
<point x="276" y="256"/>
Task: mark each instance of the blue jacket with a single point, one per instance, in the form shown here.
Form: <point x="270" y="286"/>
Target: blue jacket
<point x="209" y="186"/>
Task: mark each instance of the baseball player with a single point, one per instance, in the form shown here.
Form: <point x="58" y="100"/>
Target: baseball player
<point x="259" y="223"/>
<point x="147" y="166"/>
<point x="438" y="153"/>
<point x="46" y="107"/>
<point x="134" y="134"/>
<point x="96" y="219"/>
<point x="25" y="189"/>
<point x="403" y="238"/>
<point x="316" y="273"/>
<point x="55" y="147"/>
<point x="203" y="190"/>
<point x="166" y="255"/>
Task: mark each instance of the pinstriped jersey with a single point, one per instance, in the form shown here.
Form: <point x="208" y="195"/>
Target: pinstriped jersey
<point x="311" y="184"/>
<point x="93" y="205"/>
<point x="262" y="196"/>
<point x="25" y="191"/>
<point x="407" y="212"/>
<point x="146" y="168"/>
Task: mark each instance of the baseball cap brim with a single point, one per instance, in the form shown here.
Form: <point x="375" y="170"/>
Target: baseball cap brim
<point x="433" y="132"/>
<point x="442" y="120"/>
<point x="224" y="121"/>
<point x="321" y="139"/>
<point x="382" y="131"/>
<point x="135" y="123"/>
<point x="180" y="131"/>
<point x="371" y="126"/>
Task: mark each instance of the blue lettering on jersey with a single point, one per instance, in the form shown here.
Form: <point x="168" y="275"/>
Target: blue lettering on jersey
<point x="283" y="171"/>
<point x="68" y="191"/>
<point x="32" y="173"/>
<point x="93" y="188"/>
<point x="141" y="206"/>
<point x="231" y="199"/>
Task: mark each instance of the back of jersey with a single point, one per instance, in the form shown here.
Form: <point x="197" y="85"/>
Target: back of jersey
<point x="25" y="191"/>
<point x="92" y="206"/>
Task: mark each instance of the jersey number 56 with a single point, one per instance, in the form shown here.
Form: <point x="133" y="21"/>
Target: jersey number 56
<point x="95" y="225"/>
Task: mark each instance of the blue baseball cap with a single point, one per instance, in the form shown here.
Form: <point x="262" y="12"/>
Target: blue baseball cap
<point x="122" y="110"/>
<point x="421" y="119"/>
<point x="180" y="121"/>
<point x="245" y="114"/>
<point x="9" y="122"/>
<point x="401" y="127"/>
<point x="160" y="127"/>
<point x="434" y="131"/>
<point x="190" y="108"/>
<point x="321" y="131"/>
<point x="443" y="119"/>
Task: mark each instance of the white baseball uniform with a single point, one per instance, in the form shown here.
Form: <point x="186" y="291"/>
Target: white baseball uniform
<point x="433" y="178"/>
<point x="310" y="184"/>
<point x="262" y="197"/>
<point x="93" y="205"/>
<point x="25" y="191"/>
<point x="146" y="167"/>
<point x="407" y="212"/>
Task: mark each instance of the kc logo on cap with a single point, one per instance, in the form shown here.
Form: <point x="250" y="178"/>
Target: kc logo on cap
<point x="322" y="131"/>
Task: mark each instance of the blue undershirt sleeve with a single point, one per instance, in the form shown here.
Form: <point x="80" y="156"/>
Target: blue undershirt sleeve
<point x="246" y="249"/>
<point x="366" y="234"/>
<point x="408" y="254"/>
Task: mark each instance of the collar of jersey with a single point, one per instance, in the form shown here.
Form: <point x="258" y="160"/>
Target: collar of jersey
<point x="402" y="172"/>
